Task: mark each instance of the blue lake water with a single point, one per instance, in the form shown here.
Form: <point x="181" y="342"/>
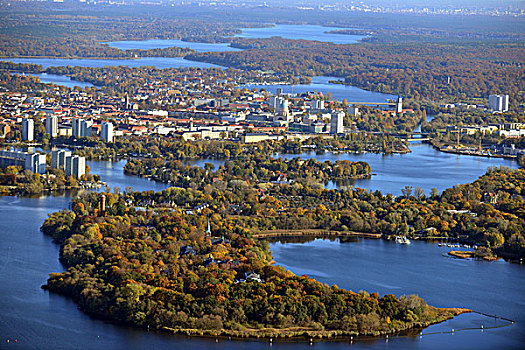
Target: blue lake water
<point x="322" y="84"/>
<point x="304" y="32"/>
<point x="424" y="167"/>
<point x="162" y="44"/>
<point x="158" y="62"/>
<point x="419" y="268"/>
<point x="41" y="320"/>
<point x="61" y="80"/>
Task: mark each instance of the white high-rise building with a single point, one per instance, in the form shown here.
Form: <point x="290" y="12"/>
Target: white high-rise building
<point x="275" y="101"/>
<point x="58" y="159"/>
<point x="75" y="166"/>
<point x="284" y="108"/>
<point x="317" y="104"/>
<point x="499" y="103"/>
<point x="81" y="128"/>
<point x="75" y="127"/>
<point x="79" y="166"/>
<point x="106" y="132"/>
<point x="28" y="130"/>
<point x="52" y="125"/>
<point x="85" y="128"/>
<point x="399" y="105"/>
<point x="337" y="123"/>
<point x="36" y="162"/>
<point x="353" y="111"/>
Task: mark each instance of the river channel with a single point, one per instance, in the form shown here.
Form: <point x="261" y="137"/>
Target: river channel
<point x="38" y="319"/>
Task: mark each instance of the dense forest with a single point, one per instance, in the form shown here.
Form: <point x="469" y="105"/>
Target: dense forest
<point x="249" y="168"/>
<point x="160" y="269"/>
<point x="409" y="55"/>
<point x="487" y="212"/>
<point x="176" y="149"/>
<point x="417" y="70"/>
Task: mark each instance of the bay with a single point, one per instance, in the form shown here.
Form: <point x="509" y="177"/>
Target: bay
<point x="301" y="32"/>
<point x="322" y="84"/>
<point x="38" y="319"/>
<point x="162" y="44"/>
<point x="60" y="80"/>
<point x="157" y="62"/>
<point x="424" y="167"/>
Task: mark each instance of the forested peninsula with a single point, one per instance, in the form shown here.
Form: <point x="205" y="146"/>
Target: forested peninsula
<point x="165" y="269"/>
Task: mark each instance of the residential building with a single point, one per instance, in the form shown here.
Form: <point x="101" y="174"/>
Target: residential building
<point x="58" y="159"/>
<point x="81" y="127"/>
<point x="399" y="105"/>
<point x="337" y="123"/>
<point x="75" y="166"/>
<point x="353" y="111"/>
<point x="35" y="162"/>
<point x="106" y="132"/>
<point x="28" y="130"/>
<point x="317" y="104"/>
<point x="52" y="125"/>
<point x="499" y="103"/>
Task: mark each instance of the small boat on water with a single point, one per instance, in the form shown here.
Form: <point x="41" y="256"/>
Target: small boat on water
<point x="402" y="240"/>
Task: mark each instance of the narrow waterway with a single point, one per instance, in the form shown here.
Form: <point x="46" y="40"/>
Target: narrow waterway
<point x="38" y="319"/>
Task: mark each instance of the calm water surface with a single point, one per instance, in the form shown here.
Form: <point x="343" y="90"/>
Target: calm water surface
<point x="424" y="167"/>
<point x="158" y="62"/>
<point x="297" y="32"/>
<point x="162" y="44"/>
<point x="389" y="268"/>
<point x="321" y="84"/>
<point x="305" y="32"/>
<point x="61" y="80"/>
<point x="40" y="320"/>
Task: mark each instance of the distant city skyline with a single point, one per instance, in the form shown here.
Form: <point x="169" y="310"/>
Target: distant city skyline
<point x="486" y="7"/>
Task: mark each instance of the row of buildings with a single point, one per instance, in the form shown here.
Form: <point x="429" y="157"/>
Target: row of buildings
<point x="79" y="128"/>
<point x="34" y="162"/>
<point x="497" y="104"/>
<point x="72" y="165"/>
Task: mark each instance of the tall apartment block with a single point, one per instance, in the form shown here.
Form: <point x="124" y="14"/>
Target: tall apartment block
<point x="337" y="123"/>
<point x="52" y="125"/>
<point x="75" y="166"/>
<point x="58" y="159"/>
<point x="106" y="132"/>
<point x="28" y="130"/>
<point x="499" y="103"/>
<point x="35" y="162"/>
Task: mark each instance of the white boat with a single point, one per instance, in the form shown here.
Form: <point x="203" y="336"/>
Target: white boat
<point x="402" y="240"/>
